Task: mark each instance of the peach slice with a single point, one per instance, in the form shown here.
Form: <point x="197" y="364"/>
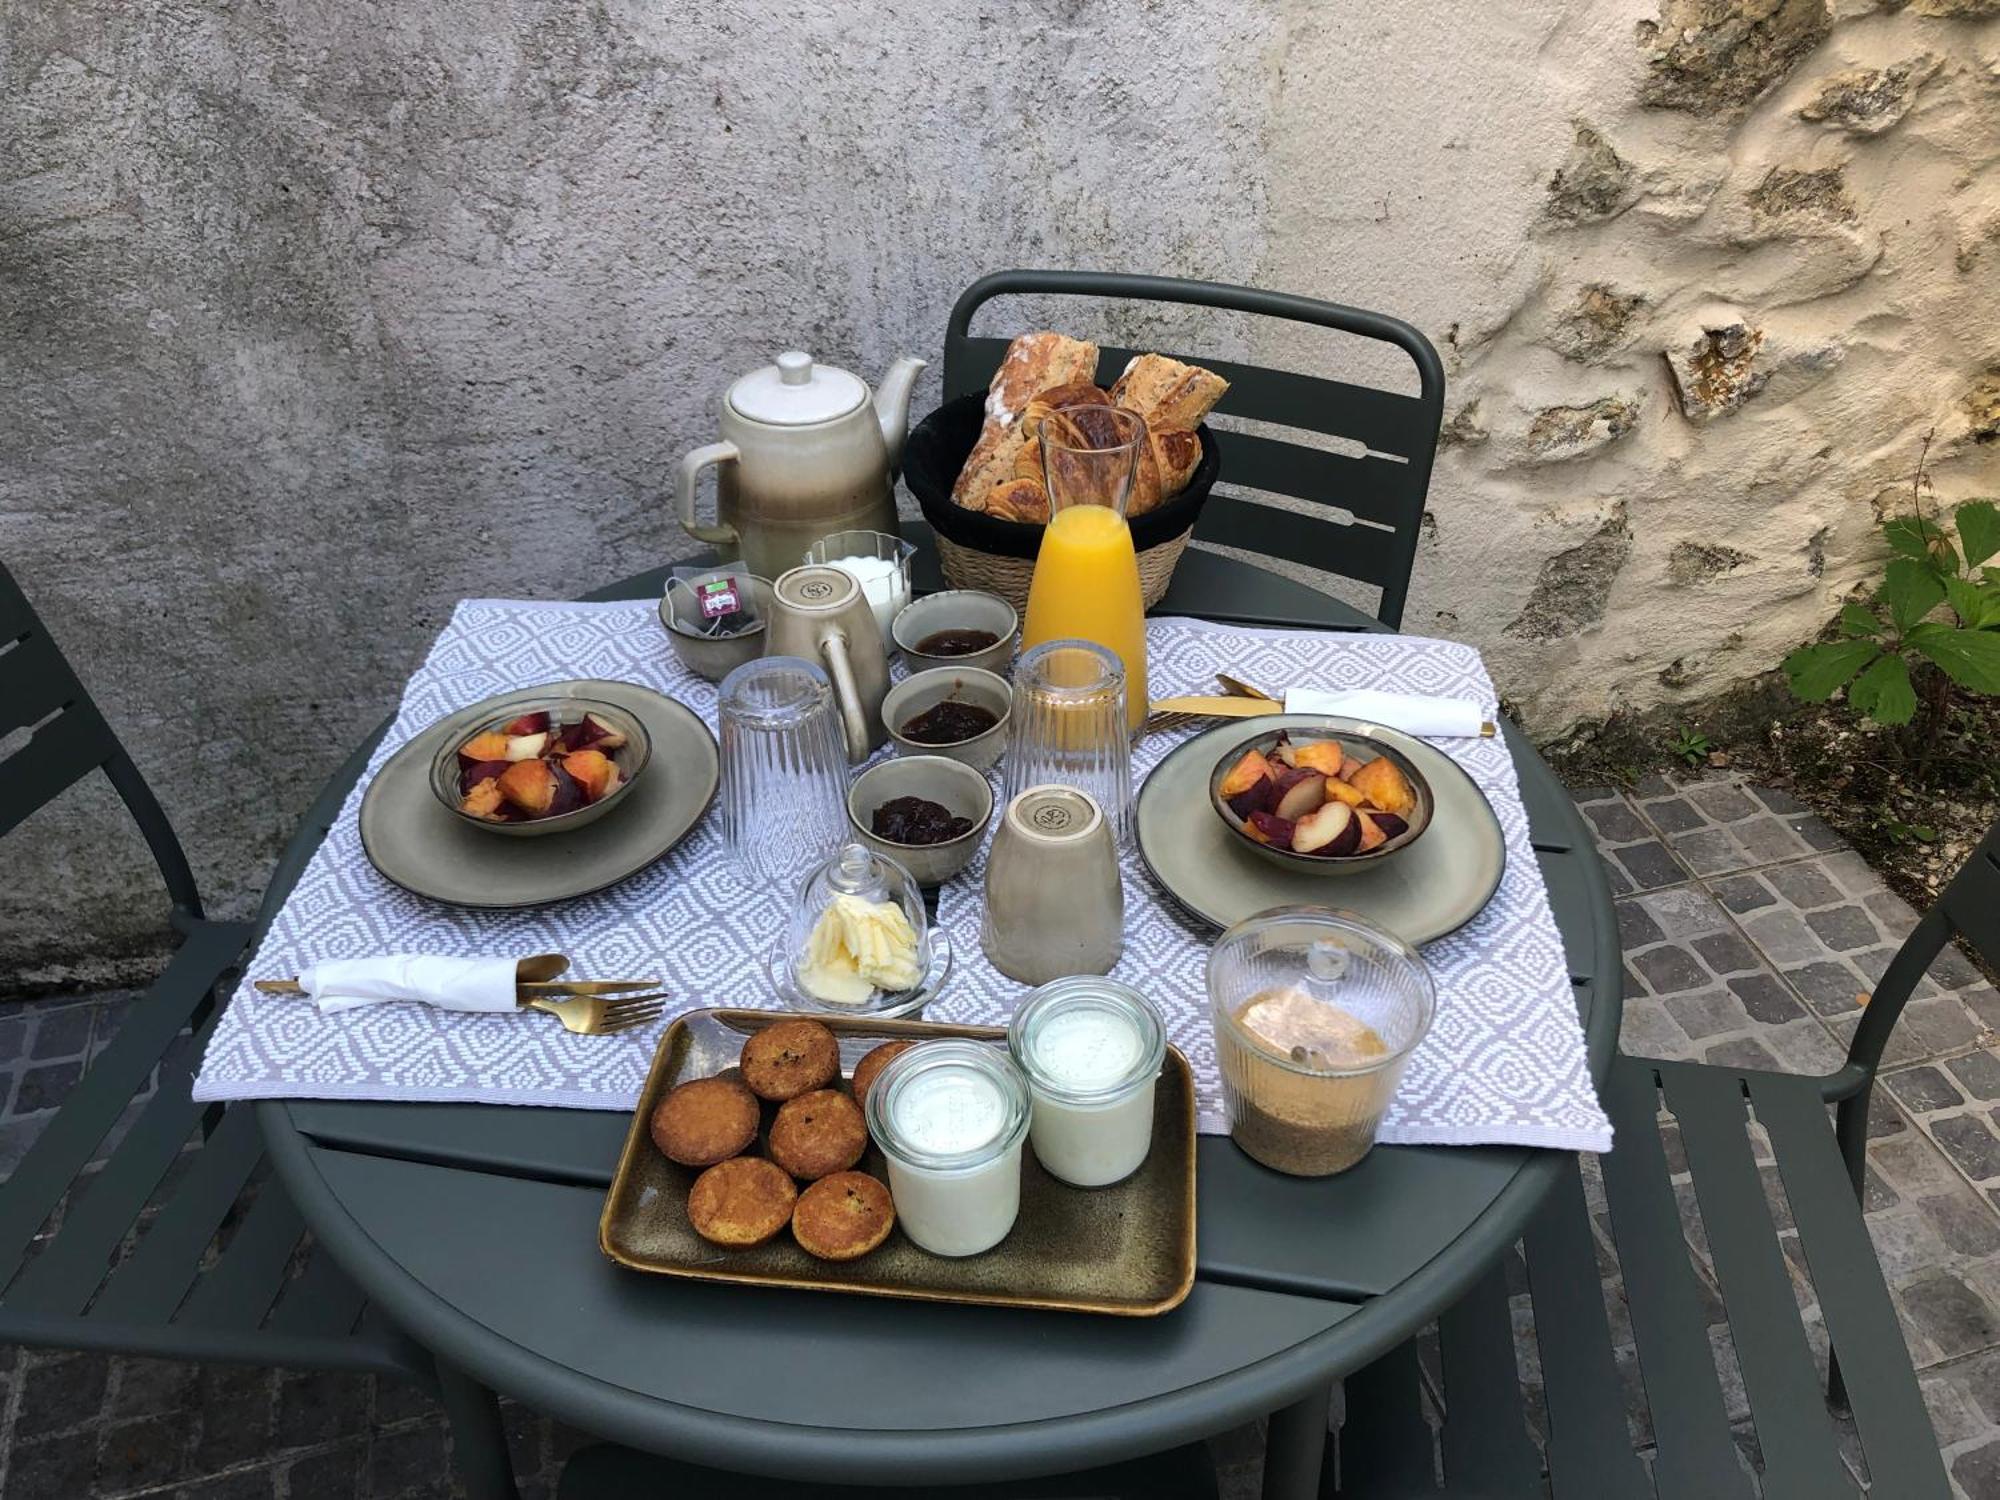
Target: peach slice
<point x="483" y="800"/>
<point x="489" y="746"/>
<point x="480" y="770"/>
<point x="534" y="723"/>
<point x="1392" y="825"/>
<point x="594" y="771"/>
<point x="1385" y="786"/>
<point x="1373" y="835"/>
<point x="1323" y="756"/>
<point x="540" y="789"/>
<point x="1334" y="829"/>
<point x="608" y="735"/>
<point x="1299" y="792"/>
<point x="1345" y="791"/>
<point x="526" y="746"/>
<point x="1348" y="766"/>
<point x="1269" y="828"/>
<point x="1246" y="773"/>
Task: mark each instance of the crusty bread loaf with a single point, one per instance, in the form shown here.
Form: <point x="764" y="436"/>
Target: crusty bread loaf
<point x="1168" y="393"/>
<point x="1034" y="362"/>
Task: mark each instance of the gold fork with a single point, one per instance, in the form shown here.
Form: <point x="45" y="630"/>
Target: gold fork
<point x="593" y="1015"/>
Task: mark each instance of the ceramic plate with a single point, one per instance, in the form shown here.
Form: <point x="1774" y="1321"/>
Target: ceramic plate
<point x="1436" y="885"/>
<point x="414" y="840"/>
<point x="1126" y="1250"/>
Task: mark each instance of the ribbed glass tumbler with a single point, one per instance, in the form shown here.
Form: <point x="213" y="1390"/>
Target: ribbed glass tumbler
<point x="784" y="770"/>
<point x="1068" y="727"/>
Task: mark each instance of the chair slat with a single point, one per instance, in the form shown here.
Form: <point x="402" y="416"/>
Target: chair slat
<point x="1888" y="1407"/>
<point x="93" y="1106"/>
<point x="1374" y="489"/>
<point x="1359" y="552"/>
<point x="1697" y="1455"/>
<point x="1486" y="1442"/>
<point x="156" y="1276"/>
<point x="1386" y="1445"/>
<point x="239" y="1288"/>
<point x="1972" y="900"/>
<point x="1801" y="1455"/>
<point x="57" y="756"/>
<point x="1590" y="1450"/>
<point x="321" y="1302"/>
<point x="35" y="680"/>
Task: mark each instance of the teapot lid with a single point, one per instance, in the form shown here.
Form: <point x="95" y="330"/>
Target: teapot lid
<point x="795" y="392"/>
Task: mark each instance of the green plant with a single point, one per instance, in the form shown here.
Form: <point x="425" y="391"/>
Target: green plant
<point x="1933" y="621"/>
<point x="1691" y="745"/>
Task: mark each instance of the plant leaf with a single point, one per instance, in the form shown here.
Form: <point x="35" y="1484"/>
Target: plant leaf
<point x="1911" y="536"/>
<point x="1911" y="589"/>
<point x="1971" y="658"/>
<point x="1859" y="620"/>
<point x="1977" y="605"/>
<point x="1978" y="530"/>
<point x="1883" y="692"/>
<point x="1816" y="671"/>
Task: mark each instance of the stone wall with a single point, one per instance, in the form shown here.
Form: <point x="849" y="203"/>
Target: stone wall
<point x="315" y="318"/>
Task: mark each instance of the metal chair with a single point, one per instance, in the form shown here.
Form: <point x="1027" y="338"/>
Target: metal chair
<point x="164" y="1238"/>
<point x="1371" y="487"/>
<point x="1387" y="1448"/>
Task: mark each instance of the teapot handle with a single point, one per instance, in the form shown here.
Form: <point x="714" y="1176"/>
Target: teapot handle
<point x="853" y="720"/>
<point x="684" y="487"/>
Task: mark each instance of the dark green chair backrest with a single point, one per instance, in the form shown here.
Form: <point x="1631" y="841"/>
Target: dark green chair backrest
<point x="1381" y="481"/>
<point x="67" y="739"/>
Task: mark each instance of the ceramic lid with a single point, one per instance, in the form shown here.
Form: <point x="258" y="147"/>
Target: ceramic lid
<point x="795" y="392"/>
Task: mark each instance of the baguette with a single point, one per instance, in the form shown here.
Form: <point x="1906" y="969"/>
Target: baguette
<point x="1168" y="393"/>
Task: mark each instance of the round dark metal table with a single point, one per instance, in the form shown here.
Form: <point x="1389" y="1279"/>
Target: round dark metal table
<point x="475" y="1228"/>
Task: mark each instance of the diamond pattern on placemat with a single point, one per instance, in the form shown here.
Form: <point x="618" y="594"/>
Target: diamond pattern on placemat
<point x="1505" y="1062"/>
<point x="1505" y="1058"/>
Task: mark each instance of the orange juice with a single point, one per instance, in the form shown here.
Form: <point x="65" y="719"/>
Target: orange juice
<point x="1086" y="587"/>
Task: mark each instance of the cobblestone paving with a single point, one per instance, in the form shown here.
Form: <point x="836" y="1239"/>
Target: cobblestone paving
<point x="1750" y="935"/>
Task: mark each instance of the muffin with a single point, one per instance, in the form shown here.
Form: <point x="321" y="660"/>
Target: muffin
<point x="866" y="1070"/>
<point x="818" y="1134"/>
<point x="790" y="1058"/>
<point x="705" y="1121"/>
<point x="741" y="1202"/>
<point x="843" y="1217"/>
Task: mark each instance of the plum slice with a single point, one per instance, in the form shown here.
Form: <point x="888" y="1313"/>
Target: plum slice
<point x="481" y="770"/>
<point x="1269" y="828"/>
<point x="534" y="723"/>
<point x="1299" y="792"/>
<point x="1334" y="829"/>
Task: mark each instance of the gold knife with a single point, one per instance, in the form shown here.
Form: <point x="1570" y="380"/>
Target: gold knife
<point x="1244" y="708"/>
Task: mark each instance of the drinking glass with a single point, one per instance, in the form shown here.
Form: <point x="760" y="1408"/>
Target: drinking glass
<point x="1068" y="726"/>
<point x="1315" y="1012"/>
<point x="880" y="563"/>
<point x="784" y="769"/>
<point x="1086" y="580"/>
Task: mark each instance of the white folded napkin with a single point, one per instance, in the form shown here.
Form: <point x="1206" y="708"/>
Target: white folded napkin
<point x="448" y="983"/>
<point x="1413" y="713"/>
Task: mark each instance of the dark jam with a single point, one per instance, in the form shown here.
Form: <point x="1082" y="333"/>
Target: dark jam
<point x="912" y="820"/>
<point x="949" y="722"/>
<point x="956" y="642"/>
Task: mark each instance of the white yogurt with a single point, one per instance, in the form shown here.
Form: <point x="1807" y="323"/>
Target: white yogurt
<point x="1091" y="1049"/>
<point x="883" y="582"/>
<point x="949" y="1117"/>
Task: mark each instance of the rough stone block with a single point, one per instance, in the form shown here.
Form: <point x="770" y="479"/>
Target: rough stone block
<point x="1970" y="1143"/>
<point x="1667" y="969"/>
<point x="1783" y="937"/>
<point x="1922" y="1089"/>
<point x="1765" y="998"/>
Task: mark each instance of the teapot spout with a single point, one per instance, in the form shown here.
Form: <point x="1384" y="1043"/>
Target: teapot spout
<point x="892" y="404"/>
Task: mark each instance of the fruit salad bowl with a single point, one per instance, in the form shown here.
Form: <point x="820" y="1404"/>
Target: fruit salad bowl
<point x="546" y="764"/>
<point x="1319" y="802"/>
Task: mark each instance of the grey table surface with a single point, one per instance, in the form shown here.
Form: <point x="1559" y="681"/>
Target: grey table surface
<point x="475" y="1227"/>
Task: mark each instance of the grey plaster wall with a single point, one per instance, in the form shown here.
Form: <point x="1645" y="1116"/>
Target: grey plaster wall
<point x="317" y="317"/>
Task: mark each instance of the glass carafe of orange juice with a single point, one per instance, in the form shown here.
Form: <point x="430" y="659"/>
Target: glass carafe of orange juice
<point x="1086" y="583"/>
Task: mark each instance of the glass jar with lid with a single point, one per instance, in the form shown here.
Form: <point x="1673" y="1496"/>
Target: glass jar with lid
<point x="858" y="941"/>
<point x="950" y="1116"/>
<point x="1316" y="1012"/>
<point x="1091" y="1050"/>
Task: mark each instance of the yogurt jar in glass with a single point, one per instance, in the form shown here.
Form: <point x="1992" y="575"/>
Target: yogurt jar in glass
<point x="1091" y="1050"/>
<point x="950" y="1117"/>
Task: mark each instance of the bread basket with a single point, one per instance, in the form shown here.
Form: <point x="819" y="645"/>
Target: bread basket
<point x="978" y="551"/>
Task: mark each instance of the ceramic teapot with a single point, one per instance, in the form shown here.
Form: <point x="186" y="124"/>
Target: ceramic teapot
<point x="805" y="451"/>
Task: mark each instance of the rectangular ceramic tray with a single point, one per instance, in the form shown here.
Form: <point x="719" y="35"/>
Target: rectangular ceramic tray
<point x="1125" y="1250"/>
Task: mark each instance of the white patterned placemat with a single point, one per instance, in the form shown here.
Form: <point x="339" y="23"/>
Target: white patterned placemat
<point x="1504" y="1062"/>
